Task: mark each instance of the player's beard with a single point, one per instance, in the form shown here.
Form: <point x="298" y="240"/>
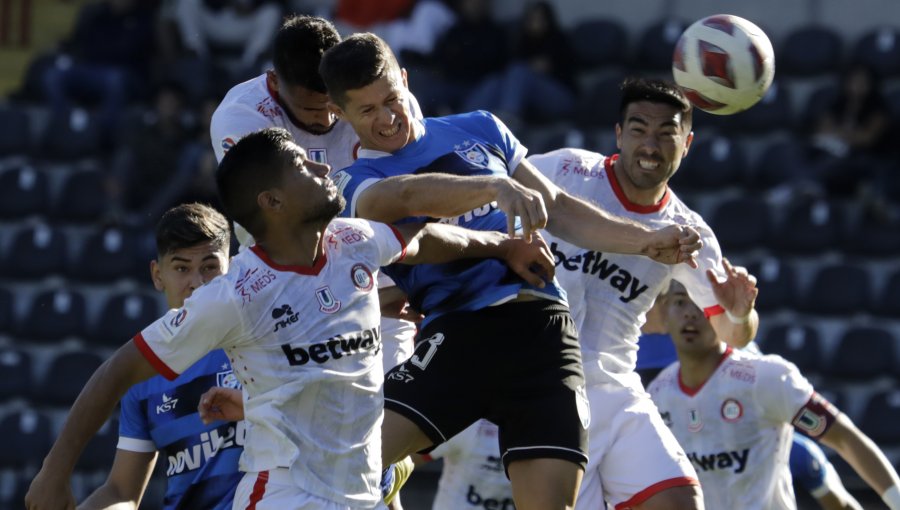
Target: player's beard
<point x="330" y="210"/>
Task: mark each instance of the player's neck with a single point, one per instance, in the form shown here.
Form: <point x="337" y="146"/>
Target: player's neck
<point x="294" y="247"/>
<point x="696" y="368"/>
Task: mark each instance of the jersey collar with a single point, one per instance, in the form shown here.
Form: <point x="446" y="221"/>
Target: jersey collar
<point x="687" y="390"/>
<point x="620" y="194"/>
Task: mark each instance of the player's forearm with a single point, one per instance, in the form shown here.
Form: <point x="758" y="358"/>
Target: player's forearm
<point x="582" y="224"/>
<point x="107" y="497"/>
<point x="436" y="195"/>
<point x="739" y="330"/>
<point x="863" y="455"/>
<point x="435" y="243"/>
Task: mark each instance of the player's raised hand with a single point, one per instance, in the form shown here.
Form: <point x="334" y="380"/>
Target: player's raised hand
<point x="737" y="293"/>
<point x="673" y="245"/>
<point x="517" y="200"/>
<point x="221" y="404"/>
<point x="532" y="261"/>
<point x="49" y="492"/>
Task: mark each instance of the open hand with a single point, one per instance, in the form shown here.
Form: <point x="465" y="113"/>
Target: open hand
<point x="221" y="404"/>
<point x="738" y="292"/>
<point x="532" y="261"/>
<point x="673" y="245"/>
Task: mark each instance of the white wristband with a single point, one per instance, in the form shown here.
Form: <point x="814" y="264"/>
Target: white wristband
<point x="891" y="497"/>
<point x="738" y="320"/>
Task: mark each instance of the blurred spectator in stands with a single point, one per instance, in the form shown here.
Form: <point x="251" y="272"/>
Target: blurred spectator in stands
<point x="539" y="83"/>
<point x="850" y="145"/>
<point x="156" y="160"/>
<point x="203" y="185"/>
<point x="105" y="60"/>
<point x="471" y="50"/>
<point x="230" y="34"/>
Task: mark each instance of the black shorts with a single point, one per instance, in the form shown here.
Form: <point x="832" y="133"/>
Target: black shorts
<point x="516" y="364"/>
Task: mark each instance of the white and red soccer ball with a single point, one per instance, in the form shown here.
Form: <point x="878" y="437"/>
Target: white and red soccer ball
<point x="724" y="63"/>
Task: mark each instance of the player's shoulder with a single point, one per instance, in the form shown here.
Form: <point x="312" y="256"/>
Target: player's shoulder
<point x="755" y="367"/>
<point x="478" y="121"/>
<point x="571" y="155"/>
<point x="666" y="380"/>
<point x="352" y="232"/>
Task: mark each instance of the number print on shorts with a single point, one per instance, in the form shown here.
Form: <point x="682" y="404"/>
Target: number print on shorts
<point x="433" y="344"/>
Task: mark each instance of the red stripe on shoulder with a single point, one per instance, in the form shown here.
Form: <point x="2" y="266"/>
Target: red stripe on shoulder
<point x="154" y="360"/>
<point x="402" y="242"/>
<point x="259" y="489"/>
<point x="644" y="495"/>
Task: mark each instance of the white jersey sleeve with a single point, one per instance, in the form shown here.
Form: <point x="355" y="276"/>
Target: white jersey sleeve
<point x="231" y="122"/>
<point x="695" y="280"/>
<point x="782" y="391"/>
<point x="208" y="320"/>
<point x="389" y="245"/>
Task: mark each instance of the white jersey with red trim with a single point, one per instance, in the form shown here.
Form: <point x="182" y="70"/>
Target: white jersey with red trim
<point x="736" y="427"/>
<point x="609" y="294"/>
<point x="473" y="474"/>
<point x="306" y="346"/>
<point x="251" y="106"/>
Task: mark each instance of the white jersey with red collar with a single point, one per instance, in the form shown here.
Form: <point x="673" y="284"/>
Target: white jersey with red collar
<point x="251" y="106"/>
<point x="737" y="427"/>
<point x="609" y="294"/>
<point x="473" y="474"/>
<point x="306" y="346"/>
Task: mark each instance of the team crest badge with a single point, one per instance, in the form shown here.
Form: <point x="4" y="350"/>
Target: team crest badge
<point x="362" y="278"/>
<point x="179" y="318"/>
<point x="732" y="410"/>
<point x="318" y="155"/>
<point x="327" y="303"/>
<point x="474" y="154"/>
<point x="695" y="423"/>
<point x="227" y="143"/>
<point x="227" y="379"/>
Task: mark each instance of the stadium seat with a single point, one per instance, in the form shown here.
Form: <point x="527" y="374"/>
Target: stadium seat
<point x="81" y="197"/>
<point x="778" y="164"/>
<point x="712" y="164"/>
<point x="17" y="380"/>
<point x="777" y="282"/>
<point x="124" y="315"/>
<point x="809" y="51"/>
<point x="7" y="310"/>
<point x="810" y="228"/>
<point x="798" y="343"/>
<point x="15" y="131"/>
<point x="839" y="289"/>
<point x="880" y="418"/>
<point x="742" y="224"/>
<point x="873" y="239"/>
<point x="71" y="135"/>
<point x="818" y="102"/>
<point x="54" y="315"/>
<point x="863" y="353"/>
<point x="599" y="42"/>
<point x="887" y="303"/>
<point x="880" y="49"/>
<point x="598" y="105"/>
<point x="771" y="113"/>
<point x="107" y="255"/>
<point x="36" y="252"/>
<point x="67" y="375"/>
<point x="28" y="435"/>
<point x="657" y="44"/>
<point x="100" y="451"/>
<point x="24" y="191"/>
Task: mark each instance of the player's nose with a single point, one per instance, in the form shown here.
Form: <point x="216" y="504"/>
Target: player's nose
<point x="318" y="169"/>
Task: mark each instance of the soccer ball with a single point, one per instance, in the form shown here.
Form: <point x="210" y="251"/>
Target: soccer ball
<point x="724" y="63"/>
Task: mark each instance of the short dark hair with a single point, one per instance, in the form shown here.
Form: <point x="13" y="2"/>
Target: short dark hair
<point x="355" y="63"/>
<point x="253" y="165"/>
<point x="655" y="91"/>
<point x="188" y="225"/>
<point x="299" y="45"/>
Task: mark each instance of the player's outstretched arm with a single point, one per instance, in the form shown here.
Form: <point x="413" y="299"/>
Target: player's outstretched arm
<point x="447" y="196"/>
<point x="124" y="487"/>
<point x="737" y="295"/>
<point x="51" y="488"/>
<point x="866" y="459"/>
<point x="435" y="243"/>
<point x="583" y="224"/>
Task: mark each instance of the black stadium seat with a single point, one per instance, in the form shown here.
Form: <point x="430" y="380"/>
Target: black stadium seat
<point x="742" y="224"/>
<point x="798" y="343"/>
<point x="81" y="197"/>
<point x="888" y="302"/>
<point x="712" y="164"/>
<point x="24" y="191"/>
<point x="18" y="375"/>
<point x="107" y="255"/>
<point x="15" y="131"/>
<point x="28" y="435"/>
<point x="777" y="282"/>
<point x="656" y="45"/>
<point x="810" y="228"/>
<point x="839" y="289"/>
<point x="880" y="418"/>
<point x="53" y="315"/>
<point x="124" y="315"/>
<point x="36" y="252"/>
<point x="599" y="42"/>
<point x="67" y="375"/>
<point x="863" y="353"/>
<point x="879" y="49"/>
<point x="810" y="50"/>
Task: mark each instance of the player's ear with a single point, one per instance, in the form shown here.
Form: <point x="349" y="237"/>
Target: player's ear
<point x="268" y="200"/>
<point x="687" y="143"/>
<point x="404" y="75"/>
<point x="155" y="275"/>
<point x="618" y="136"/>
<point x="272" y="79"/>
<point x="335" y="109"/>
